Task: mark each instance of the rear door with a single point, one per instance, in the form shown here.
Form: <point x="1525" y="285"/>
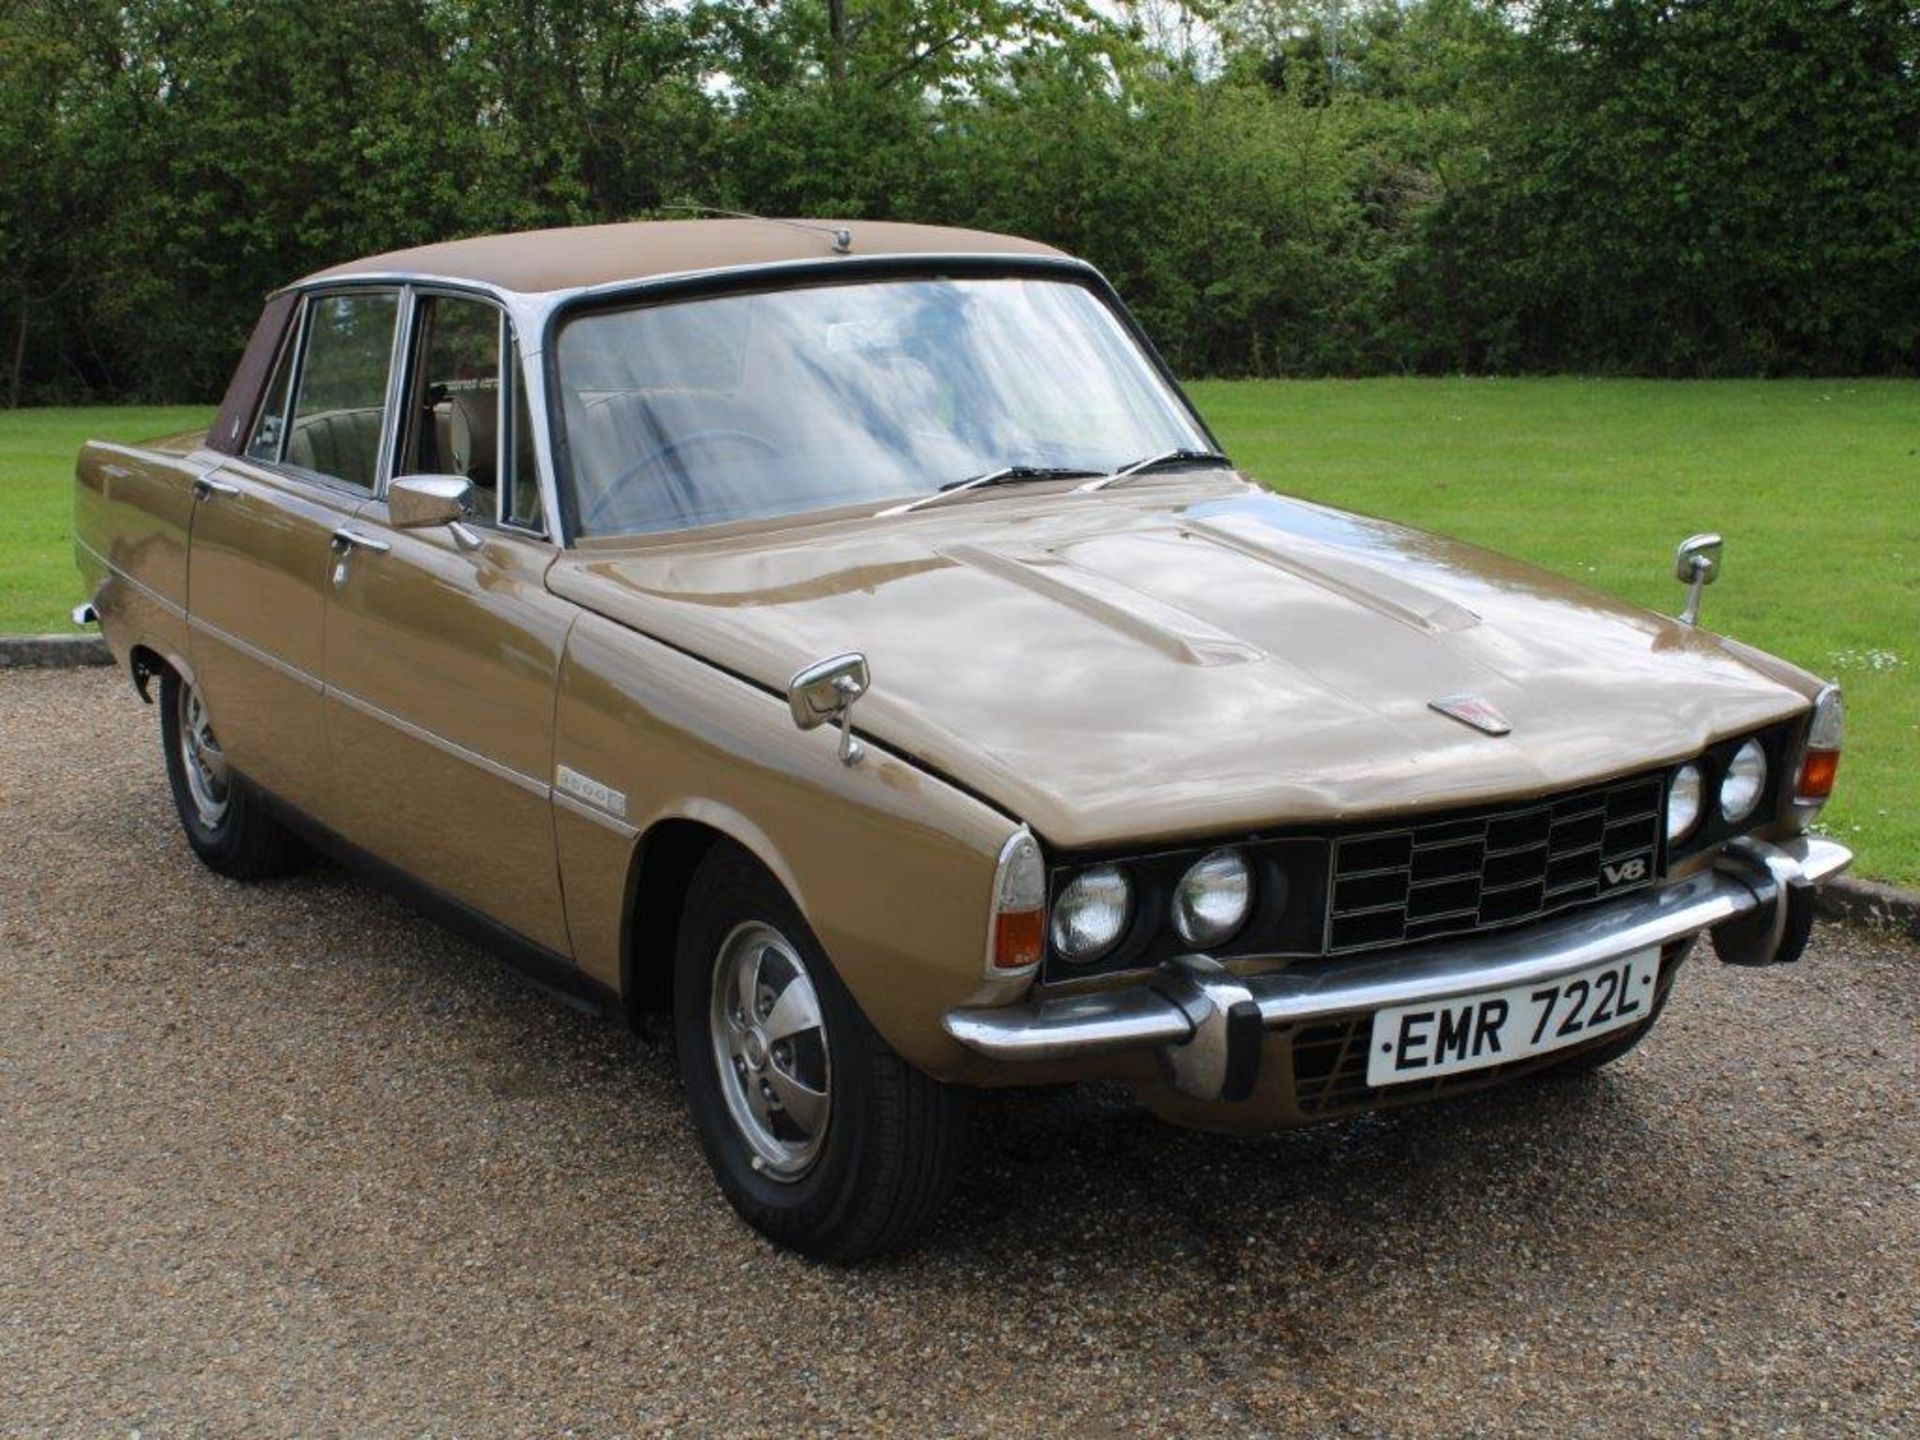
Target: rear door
<point x="263" y="525"/>
<point x="442" y="652"/>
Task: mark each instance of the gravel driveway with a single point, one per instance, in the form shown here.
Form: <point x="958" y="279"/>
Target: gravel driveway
<point x="286" y="1159"/>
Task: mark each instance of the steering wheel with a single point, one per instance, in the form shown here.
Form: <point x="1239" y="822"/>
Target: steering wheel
<point x="595" y="512"/>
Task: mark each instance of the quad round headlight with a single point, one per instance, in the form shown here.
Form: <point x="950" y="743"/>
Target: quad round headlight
<point x="1683" y="802"/>
<point x="1212" y="899"/>
<point x="1090" y="915"/>
<point x="1746" y="778"/>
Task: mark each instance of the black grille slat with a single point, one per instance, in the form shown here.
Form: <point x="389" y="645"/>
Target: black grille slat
<point x="1511" y="867"/>
<point x="1457" y="873"/>
<point x="1446" y="862"/>
<point x="1627" y="836"/>
<point x="1578" y="830"/>
<point x="1515" y="832"/>
<point x="1372" y="891"/>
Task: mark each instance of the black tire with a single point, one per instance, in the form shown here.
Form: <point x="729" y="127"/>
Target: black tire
<point x="891" y="1146"/>
<point x="243" y="842"/>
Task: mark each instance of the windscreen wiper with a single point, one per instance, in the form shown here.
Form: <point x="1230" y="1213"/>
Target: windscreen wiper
<point x="1154" y="462"/>
<point x="1005" y="475"/>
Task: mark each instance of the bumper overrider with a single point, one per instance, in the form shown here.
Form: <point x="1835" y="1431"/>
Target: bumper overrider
<point x="1208" y="1022"/>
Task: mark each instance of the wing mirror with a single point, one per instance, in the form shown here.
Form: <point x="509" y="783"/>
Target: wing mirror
<point x="1696" y="564"/>
<point x="824" y="692"/>
<point x="419" y="502"/>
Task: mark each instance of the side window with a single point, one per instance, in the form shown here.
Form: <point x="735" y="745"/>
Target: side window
<point x="454" y="421"/>
<point x="271" y="427"/>
<point x="343" y="386"/>
<point x="523" y="498"/>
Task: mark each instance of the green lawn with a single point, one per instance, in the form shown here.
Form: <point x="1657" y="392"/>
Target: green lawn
<point x="38" y="584"/>
<point x="1815" y="484"/>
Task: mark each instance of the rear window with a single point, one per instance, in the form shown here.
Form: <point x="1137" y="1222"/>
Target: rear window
<point x="342" y="404"/>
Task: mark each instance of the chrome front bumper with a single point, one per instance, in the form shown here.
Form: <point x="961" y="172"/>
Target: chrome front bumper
<point x="1207" y="1021"/>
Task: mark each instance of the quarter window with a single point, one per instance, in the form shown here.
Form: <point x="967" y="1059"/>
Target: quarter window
<point x="271" y="427"/>
<point x="342" y="402"/>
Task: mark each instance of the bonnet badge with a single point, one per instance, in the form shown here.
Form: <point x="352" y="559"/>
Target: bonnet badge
<point x="1472" y="710"/>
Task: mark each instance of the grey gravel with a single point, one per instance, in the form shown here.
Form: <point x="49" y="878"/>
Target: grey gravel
<point x="288" y="1160"/>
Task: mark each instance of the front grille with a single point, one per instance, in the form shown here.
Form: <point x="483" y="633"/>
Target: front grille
<point x="1453" y="874"/>
<point x="1330" y="1059"/>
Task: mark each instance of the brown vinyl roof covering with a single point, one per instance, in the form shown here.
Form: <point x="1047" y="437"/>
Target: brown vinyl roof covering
<point x="541" y="260"/>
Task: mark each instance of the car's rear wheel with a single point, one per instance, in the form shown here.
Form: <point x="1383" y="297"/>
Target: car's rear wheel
<point x="226" y="823"/>
<point x="822" y="1138"/>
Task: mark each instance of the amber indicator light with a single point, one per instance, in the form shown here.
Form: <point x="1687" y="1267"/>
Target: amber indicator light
<point x="1817" y="774"/>
<point x="1018" y="936"/>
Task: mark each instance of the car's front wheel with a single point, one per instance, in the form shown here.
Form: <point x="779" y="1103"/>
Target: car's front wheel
<point x="823" y="1138"/>
<point x="227" y="825"/>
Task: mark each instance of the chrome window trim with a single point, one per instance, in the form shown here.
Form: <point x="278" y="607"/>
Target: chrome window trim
<point x="690" y="286"/>
<point x="502" y="424"/>
<point x="512" y="384"/>
<point x="407" y="312"/>
<point x="295" y="338"/>
<point x="542" y="303"/>
<point x="533" y="311"/>
<point x="280" y="465"/>
<point x="331" y="487"/>
<point x="503" y="452"/>
<point x="527" y="312"/>
<point x="825" y="266"/>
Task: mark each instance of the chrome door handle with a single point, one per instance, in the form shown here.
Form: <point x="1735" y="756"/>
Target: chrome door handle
<point x="343" y="544"/>
<point x="345" y="540"/>
<point x="205" y="487"/>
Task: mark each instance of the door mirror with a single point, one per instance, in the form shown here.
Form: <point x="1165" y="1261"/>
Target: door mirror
<point x="1696" y="564"/>
<point x="415" y="502"/>
<point x="825" y="691"/>
<point x="1697" y="558"/>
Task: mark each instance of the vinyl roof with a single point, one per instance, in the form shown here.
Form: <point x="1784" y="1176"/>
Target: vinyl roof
<point x="536" y="261"/>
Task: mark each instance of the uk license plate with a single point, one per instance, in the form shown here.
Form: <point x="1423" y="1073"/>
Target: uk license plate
<point x="1498" y="1027"/>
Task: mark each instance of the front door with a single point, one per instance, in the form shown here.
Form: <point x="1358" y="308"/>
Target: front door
<point x="442" y="647"/>
<point x="260" y="553"/>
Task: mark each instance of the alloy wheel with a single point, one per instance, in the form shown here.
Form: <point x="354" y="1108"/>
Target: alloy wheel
<point x="206" y="767"/>
<point x="770" y="1044"/>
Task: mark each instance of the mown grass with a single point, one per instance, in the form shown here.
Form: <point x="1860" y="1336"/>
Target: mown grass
<point x="1816" y="485"/>
<point x="38" y="582"/>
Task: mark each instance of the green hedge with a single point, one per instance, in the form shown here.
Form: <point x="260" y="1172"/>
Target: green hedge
<point x="1690" y="187"/>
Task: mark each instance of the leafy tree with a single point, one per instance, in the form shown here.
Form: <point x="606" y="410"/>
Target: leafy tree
<point x="1690" y="188"/>
<point x="1279" y="186"/>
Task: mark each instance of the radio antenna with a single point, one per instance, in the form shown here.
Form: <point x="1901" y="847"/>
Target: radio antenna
<point x="839" y="235"/>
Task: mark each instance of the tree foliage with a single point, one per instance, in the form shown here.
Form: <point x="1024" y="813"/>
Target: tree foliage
<point x="1303" y="186"/>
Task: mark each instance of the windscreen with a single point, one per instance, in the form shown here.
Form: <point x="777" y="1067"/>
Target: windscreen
<point x="738" y="407"/>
